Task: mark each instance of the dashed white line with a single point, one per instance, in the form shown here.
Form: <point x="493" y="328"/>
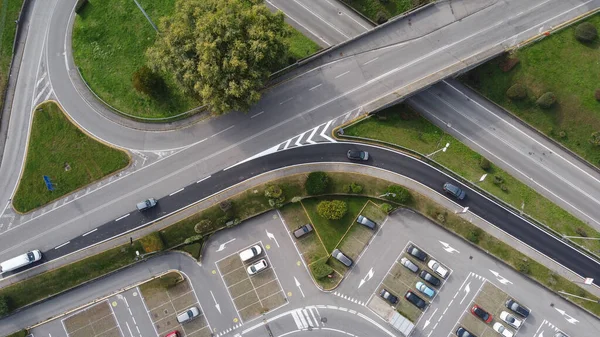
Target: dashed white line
<point x="179" y="190"/>
<point x="123" y="217"/>
<point x="342" y="74"/>
<point x="372" y="60"/>
<point x="90" y="232"/>
<point x="64" y="244"/>
<point x="287" y="100"/>
<point x="203" y="179"/>
<point x="258" y="114"/>
<point x="315" y="87"/>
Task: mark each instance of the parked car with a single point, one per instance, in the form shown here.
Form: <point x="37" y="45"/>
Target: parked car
<point x="462" y="332"/>
<point x="188" y="315"/>
<point x="338" y="255"/>
<point x="146" y="204"/>
<point x="499" y="328"/>
<point x="257" y="267"/>
<point x="430" y="278"/>
<point x="300" y="232"/>
<point x="173" y="334"/>
<point x="437" y="268"/>
<point x="424" y="289"/>
<point x="250" y="253"/>
<point x="363" y="220"/>
<point x="510" y="319"/>
<point x="455" y="191"/>
<point x="415" y="300"/>
<point x="482" y="314"/>
<point x="409" y="265"/>
<point x="517" y="308"/>
<point x="358" y="155"/>
<point x="416" y="252"/>
<point x="386" y="295"/>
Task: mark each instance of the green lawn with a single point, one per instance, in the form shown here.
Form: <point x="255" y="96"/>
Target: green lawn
<point x="560" y="64"/>
<point x="9" y="13"/>
<point x="61" y="151"/>
<point x="404" y="127"/>
<point x="391" y="8"/>
<point x="110" y="38"/>
<point x="331" y="231"/>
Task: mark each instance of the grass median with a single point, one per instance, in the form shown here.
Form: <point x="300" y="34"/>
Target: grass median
<point x="9" y="13"/>
<point x="402" y="126"/>
<point x="110" y="38"/>
<point x="69" y="157"/>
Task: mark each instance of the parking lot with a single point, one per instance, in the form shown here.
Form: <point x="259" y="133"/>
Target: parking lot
<point x="255" y="294"/>
<point x="97" y="320"/>
<point x="399" y="280"/>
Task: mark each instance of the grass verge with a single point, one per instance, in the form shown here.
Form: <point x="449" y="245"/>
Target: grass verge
<point x="61" y="151"/>
<point x="376" y="9"/>
<point x="21" y="333"/>
<point x="110" y="38"/>
<point x="9" y="13"/>
<point x="560" y="64"/>
<point x="401" y="126"/>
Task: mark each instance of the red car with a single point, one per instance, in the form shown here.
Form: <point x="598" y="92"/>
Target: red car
<point x="482" y="314"/>
<point x="173" y="334"/>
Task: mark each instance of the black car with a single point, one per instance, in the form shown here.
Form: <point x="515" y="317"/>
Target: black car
<point x="386" y="295"/>
<point x="430" y="278"/>
<point x="415" y="300"/>
<point x="517" y="308"/>
<point x="416" y="252"/>
<point x="338" y="255"/>
<point x="455" y="191"/>
<point x="462" y="332"/>
<point x="358" y="155"/>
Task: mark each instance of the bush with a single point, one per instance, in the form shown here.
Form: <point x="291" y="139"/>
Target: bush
<point x="517" y="91"/>
<point x="204" y="226"/>
<point x="356" y="188"/>
<point x="524" y="266"/>
<point x="562" y="134"/>
<point x="595" y="138"/>
<point x="4" y="306"/>
<point x="332" y="210"/>
<point x="586" y="32"/>
<point x="225" y="206"/>
<point x="316" y="183"/>
<point x="148" y="82"/>
<point x="441" y="218"/>
<point x="546" y="101"/>
<point x="581" y="232"/>
<point x="152" y="242"/>
<point x="386" y="207"/>
<point x="498" y="180"/>
<point x="597" y="94"/>
<point x="504" y="188"/>
<point x="398" y="194"/>
<point x="381" y="18"/>
<point x="277" y="203"/>
<point x="320" y="269"/>
<point x="484" y="164"/>
<point x="273" y="192"/>
<point x="346" y="188"/>
<point x="474" y="235"/>
<point x="193" y="239"/>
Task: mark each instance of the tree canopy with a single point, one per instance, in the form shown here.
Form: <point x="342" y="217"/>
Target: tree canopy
<point x="222" y="51"/>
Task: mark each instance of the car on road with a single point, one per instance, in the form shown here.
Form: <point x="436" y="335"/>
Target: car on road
<point x="430" y="278"/>
<point x="358" y="155"/>
<point x="462" y="332"/>
<point x="409" y="265"/>
<point x="146" y="204"/>
<point x="300" y="232"/>
<point x="415" y="300"/>
<point x="517" y="308"/>
<point x="188" y="315"/>
<point x="482" y="314"/>
<point x="424" y="289"/>
<point x="386" y="295"/>
<point x="257" y="267"/>
<point x="510" y="319"/>
<point x="363" y="220"/>
<point x="173" y="334"/>
<point x="437" y="268"/>
<point x="338" y="255"/>
<point x="20" y="261"/>
<point x="499" y="328"/>
<point x="250" y="253"/>
<point x="455" y="191"/>
<point x="416" y="252"/>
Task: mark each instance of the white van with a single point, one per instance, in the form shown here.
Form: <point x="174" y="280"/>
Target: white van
<point x="20" y="261"/>
<point x="250" y="253"/>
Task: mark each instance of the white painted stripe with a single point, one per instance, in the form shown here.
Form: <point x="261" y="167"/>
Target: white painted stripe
<point x="297" y="320"/>
<point x="372" y="60"/>
<point x="123" y="217"/>
<point x="309" y="139"/>
<point x="260" y="113"/>
<point x="203" y="179"/>
<point x="342" y="74"/>
<point x="287" y="143"/>
<point x="301" y="315"/>
<point x="179" y="190"/>
<point x="64" y="244"/>
<point x="287" y="100"/>
<point x="315" y="87"/>
<point x="90" y="232"/>
<point x="310" y="323"/>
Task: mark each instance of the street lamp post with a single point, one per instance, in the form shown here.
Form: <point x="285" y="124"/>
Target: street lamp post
<point x="388" y="194"/>
<point x="436" y="151"/>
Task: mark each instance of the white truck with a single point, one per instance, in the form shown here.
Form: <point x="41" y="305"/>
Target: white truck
<point x="20" y="261"/>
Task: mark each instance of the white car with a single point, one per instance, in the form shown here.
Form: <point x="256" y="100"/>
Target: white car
<point x="502" y="330"/>
<point x="188" y="315"/>
<point x="437" y="268"/>
<point x="250" y="253"/>
<point x="257" y="267"/>
<point x="510" y="319"/>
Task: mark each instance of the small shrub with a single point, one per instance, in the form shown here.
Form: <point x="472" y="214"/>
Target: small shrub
<point x="595" y="138"/>
<point x="498" y="180"/>
<point x="204" y="226"/>
<point x="4" y="306"/>
<point x="152" y="243"/>
<point x="552" y="279"/>
<point x="504" y="188"/>
<point x="356" y="188"/>
<point x="193" y="239"/>
<point x="597" y="94"/>
<point x="277" y="203"/>
<point x="386" y="207"/>
<point x="225" y="205"/>
<point x="346" y="188"/>
<point x="474" y="235"/>
<point x="222" y="221"/>
<point x="581" y="232"/>
<point x="296" y="199"/>
<point x="332" y="210"/>
<point x="148" y="82"/>
<point x="517" y="92"/>
<point x="273" y="192"/>
<point x="320" y="269"/>
<point x="316" y="183"/>
<point x="398" y="194"/>
<point x="562" y="134"/>
<point x="524" y="266"/>
<point x="546" y="101"/>
<point x="381" y="17"/>
<point x="441" y="218"/>
<point x="168" y="281"/>
<point x="586" y="32"/>
<point x="484" y="164"/>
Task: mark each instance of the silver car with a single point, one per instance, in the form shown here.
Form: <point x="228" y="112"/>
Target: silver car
<point x="409" y="265"/>
<point x="363" y="220"/>
<point x="188" y="315"/>
<point x="338" y="255"/>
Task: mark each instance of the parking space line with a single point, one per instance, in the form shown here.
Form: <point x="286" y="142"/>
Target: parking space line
<point x="228" y="292"/>
<point x="146" y="307"/>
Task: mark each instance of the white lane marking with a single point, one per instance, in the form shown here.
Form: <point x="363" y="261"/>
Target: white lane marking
<point x="64" y="244"/>
<point x="222" y="246"/>
<point x="298" y="22"/>
<point x="324" y="21"/>
<point x="372" y="60"/>
<point x="297" y="143"/>
<point x="179" y="190"/>
<point x="322" y="134"/>
<point x="203" y="179"/>
<point x="309" y="139"/>
<point x="341" y="12"/>
<point x="41" y="92"/>
<point x="315" y="87"/>
<point x="220" y="132"/>
<point x="258" y="114"/>
<point x="342" y="74"/>
<point x="123" y="217"/>
<point x="41" y="79"/>
<point x="90" y="232"/>
<point x="287" y="100"/>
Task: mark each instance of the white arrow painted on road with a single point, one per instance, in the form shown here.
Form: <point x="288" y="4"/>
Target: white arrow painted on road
<point x="366" y="278"/>
<point x="427" y="321"/>
<point x="222" y="246"/>
<point x="567" y="317"/>
<point x="298" y="285"/>
<point x="467" y="290"/>
<point x="216" y="304"/>
<point x="448" y="248"/>
<point x="272" y="237"/>
<point x="500" y="278"/>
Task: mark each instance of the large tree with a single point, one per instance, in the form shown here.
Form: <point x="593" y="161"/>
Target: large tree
<point x="221" y="50"/>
